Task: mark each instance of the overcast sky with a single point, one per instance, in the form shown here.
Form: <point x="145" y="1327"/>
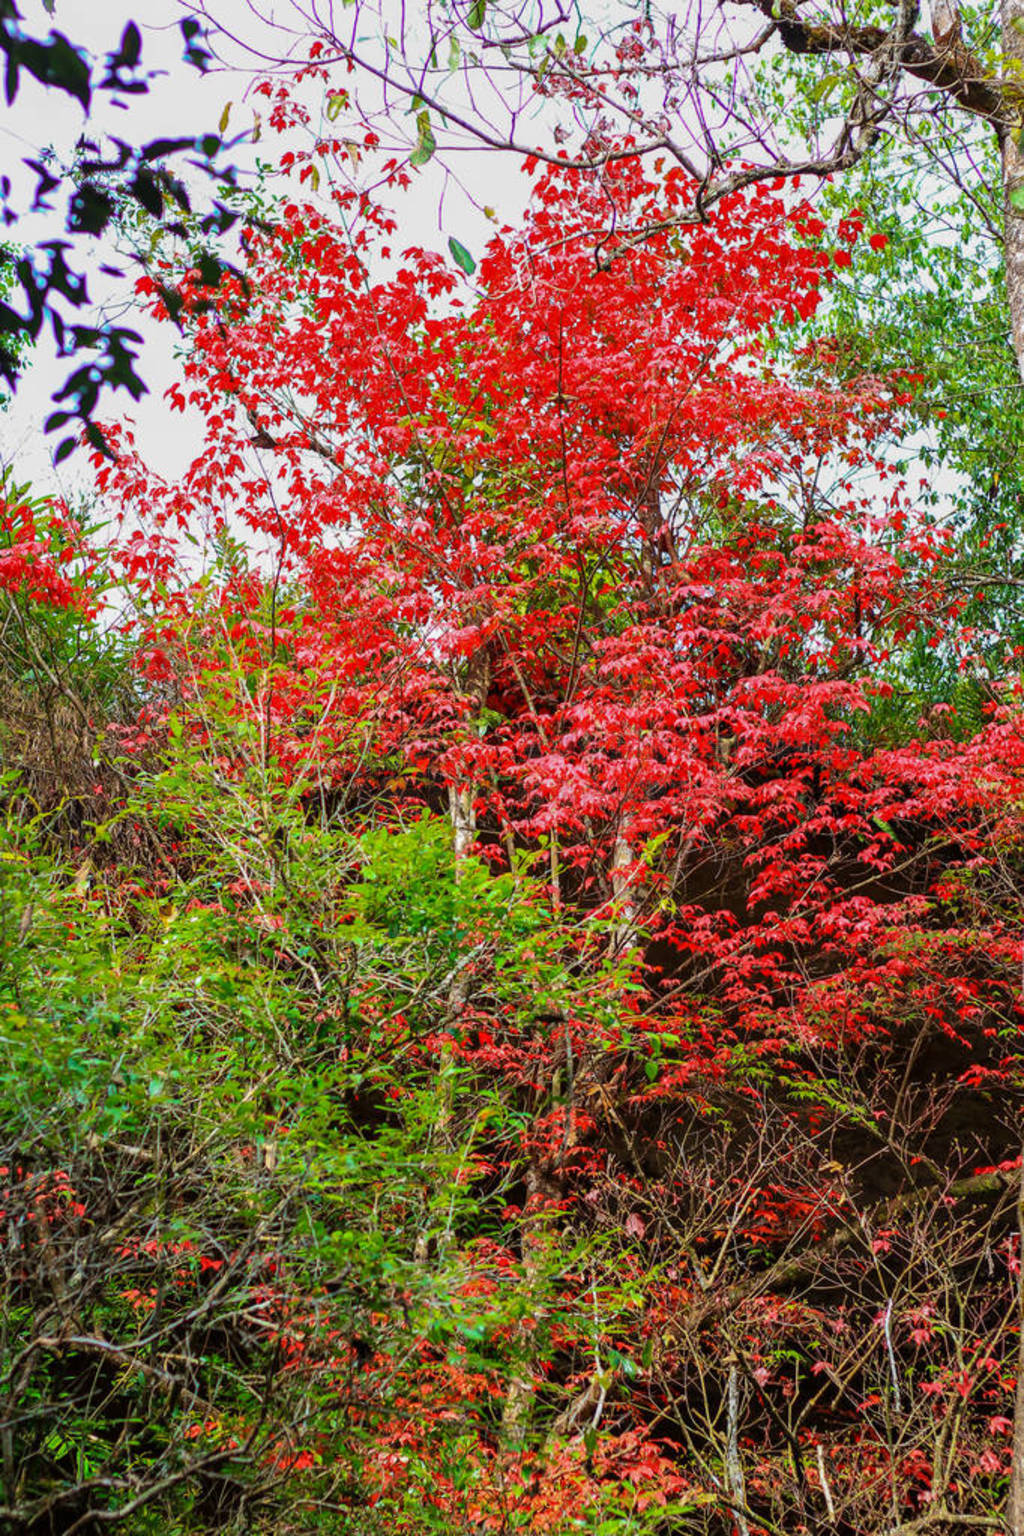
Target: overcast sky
<point x="181" y="102"/>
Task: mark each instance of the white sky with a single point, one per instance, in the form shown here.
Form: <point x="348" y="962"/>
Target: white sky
<point x="187" y="102"/>
<point x="184" y="102"/>
<point x="42" y="118"/>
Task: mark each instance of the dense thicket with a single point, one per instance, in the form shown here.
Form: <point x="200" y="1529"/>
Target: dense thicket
<point x="510" y="980"/>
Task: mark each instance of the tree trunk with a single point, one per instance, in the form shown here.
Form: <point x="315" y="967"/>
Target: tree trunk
<point x="734" y="1479"/>
<point x="537" y="1237"/>
<point x="622" y="882"/>
<point x="462" y="814"/>
<point x="1012" y="17"/>
<point x="462" y="810"/>
<point x="1015" y="1495"/>
<point x="1012" y="20"/>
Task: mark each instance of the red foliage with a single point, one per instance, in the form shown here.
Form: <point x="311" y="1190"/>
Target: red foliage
<point x="38" y="545"/>
<point x="572" y="551"/>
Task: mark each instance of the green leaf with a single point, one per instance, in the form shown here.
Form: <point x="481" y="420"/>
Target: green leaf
<point x="336" y="101"/>
<point x="461" y="256"/>
<point x="1017" y="197"/>
<point x="476" y="14"/>
<point x="426" y="143"/>
<point x="580" y="45"/>
<point x="822" y="89"/>
<point x="623" y="1363"/>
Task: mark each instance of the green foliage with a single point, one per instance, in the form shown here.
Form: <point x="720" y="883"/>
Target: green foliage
<point x="15" y="346"/>
<point x="219" y="1096"/>
<point x="924" y="300"/>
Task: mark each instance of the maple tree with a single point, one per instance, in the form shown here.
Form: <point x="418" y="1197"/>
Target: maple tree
<point x="735" y="96"/>
<point x="559" y="1069"/>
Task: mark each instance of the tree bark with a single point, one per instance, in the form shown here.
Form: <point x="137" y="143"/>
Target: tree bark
<point x="1012" y="19"/>
<point x="1012" y="23"/>
<point x="734" y="1479"/>
<point x="1015" y="1493"/>
<point x="537" y="1237"/>
<point x="462" y="815"/>
<point x="624" y="929"/>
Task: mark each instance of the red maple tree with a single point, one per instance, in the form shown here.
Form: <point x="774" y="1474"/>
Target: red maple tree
<point x="567" y="555"/>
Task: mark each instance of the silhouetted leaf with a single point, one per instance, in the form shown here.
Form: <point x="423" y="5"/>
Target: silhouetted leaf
<point x="90" y="210"/>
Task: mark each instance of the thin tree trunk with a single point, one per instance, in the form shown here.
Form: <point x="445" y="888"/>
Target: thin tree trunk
<point x="1012" y="22"/>
<point x="734" y="1479"/>
<point x="1012" y="17"/>
<point x="1015" y="1495"/>
<point x="536" y="1237"/>
<point x="462" y="814"/>
<point x="622" y="882"/>
<point x="462" y="810"/>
